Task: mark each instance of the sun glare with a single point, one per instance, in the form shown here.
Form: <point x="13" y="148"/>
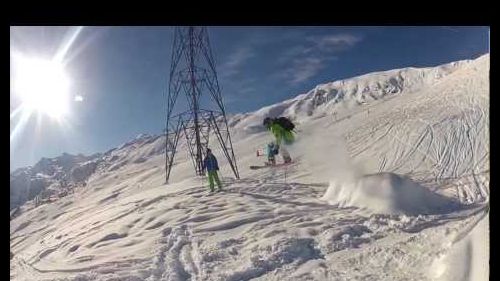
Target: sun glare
<point x="43" y="86"/>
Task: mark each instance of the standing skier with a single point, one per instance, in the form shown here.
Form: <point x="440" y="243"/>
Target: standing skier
<point x="282" y="129"/>
<point x="211" y="165"/>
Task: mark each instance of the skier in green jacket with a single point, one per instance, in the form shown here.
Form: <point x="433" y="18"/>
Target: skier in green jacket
<point x="282" y="130"/>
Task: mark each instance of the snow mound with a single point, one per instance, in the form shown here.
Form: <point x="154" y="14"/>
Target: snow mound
<point x="387" y="193"/>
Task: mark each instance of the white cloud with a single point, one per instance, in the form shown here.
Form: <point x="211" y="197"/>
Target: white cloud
<point x="308" y="59"/>
<point x="235" y="61"/>
<point x="304" y="69"/>
<point x="336" y="42"/>
<point x="293" y="53"/>
<point x="238" y="90"/>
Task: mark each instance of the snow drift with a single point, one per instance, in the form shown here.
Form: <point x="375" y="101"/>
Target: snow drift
<point x="467" y="259"/>
<point x="387" y="193"/>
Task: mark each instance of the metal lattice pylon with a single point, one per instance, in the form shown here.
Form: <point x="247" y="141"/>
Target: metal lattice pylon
<point x="193" y="73"/>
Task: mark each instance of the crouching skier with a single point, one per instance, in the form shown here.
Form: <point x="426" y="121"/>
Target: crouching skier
<point x="282" y="130"/>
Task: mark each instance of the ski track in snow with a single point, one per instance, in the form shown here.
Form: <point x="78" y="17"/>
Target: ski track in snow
<point x="126" y="224"/>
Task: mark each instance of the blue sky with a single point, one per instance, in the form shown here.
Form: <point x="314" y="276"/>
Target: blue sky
<point x="122" y="73"/>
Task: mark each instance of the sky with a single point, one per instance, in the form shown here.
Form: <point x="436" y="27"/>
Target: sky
<point x="119" y="75"/>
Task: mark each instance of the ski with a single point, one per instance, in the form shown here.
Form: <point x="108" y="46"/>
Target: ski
<point x="256" y="167"/>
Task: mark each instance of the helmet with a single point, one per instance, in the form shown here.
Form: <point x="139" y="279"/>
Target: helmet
<point x="267" y="121"/>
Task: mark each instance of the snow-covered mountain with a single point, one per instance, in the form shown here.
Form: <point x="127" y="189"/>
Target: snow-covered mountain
<point x="55" y="176"/>
<point x="390" y="182"/>
<point x="50" y="176"/>
<point x="343" y="95"/>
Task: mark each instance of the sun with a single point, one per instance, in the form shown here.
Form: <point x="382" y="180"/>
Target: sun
<point x="43" y="86"/>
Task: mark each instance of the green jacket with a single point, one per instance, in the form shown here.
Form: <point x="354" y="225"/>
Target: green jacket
<point x="281" y="134"/>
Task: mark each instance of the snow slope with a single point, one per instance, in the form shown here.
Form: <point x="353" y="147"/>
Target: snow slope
<point x="390" y="182"/>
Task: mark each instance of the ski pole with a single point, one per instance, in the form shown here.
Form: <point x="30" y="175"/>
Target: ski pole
<point x="201" y="177"/>
<point x="285" y="173"/>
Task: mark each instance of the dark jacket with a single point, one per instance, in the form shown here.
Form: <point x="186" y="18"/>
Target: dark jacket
<point x="210" y="163"/>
